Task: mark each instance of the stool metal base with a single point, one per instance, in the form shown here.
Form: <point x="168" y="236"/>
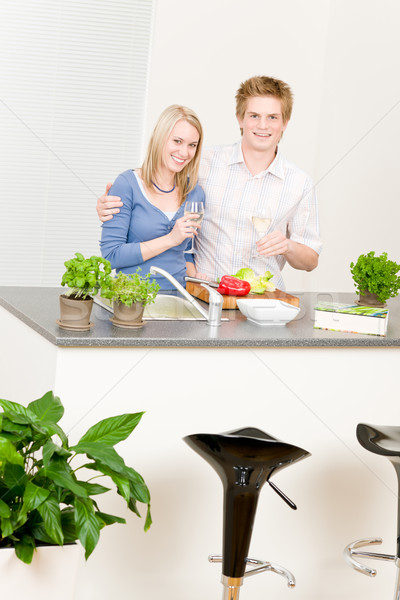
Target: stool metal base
<point x="232" y="585"/>
<point x="351" y="551"/>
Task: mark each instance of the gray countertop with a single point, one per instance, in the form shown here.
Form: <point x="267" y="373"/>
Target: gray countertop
<point x="39" y="309"/>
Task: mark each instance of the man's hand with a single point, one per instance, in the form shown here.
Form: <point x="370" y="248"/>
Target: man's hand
<point x="107" y="206"/>
<point x="273" y="244"/>
<point x="299" y="256"/>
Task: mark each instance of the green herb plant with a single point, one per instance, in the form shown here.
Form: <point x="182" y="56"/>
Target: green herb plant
<point x="42" y="501"/>
<point x="130" y="289"/>
<point x="377" y="275"/>
<point x="86" y="276"/>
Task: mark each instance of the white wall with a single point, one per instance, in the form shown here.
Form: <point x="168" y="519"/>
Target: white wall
<point x="342" y="59"/>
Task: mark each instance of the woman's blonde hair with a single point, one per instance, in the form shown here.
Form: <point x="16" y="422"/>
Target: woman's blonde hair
<point x="186" y="180"/>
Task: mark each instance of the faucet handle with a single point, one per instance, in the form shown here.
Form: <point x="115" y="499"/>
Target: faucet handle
<point x="215" y="304"/>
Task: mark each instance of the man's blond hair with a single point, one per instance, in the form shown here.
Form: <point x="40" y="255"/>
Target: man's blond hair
<point x="264" y="86"/>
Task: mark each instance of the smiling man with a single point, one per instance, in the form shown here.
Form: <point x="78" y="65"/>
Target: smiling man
<point x="247" y="179"/>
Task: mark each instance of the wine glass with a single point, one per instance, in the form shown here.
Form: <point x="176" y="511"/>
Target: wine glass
<point x="195" y="208"/>
<point x="261" y="222"/>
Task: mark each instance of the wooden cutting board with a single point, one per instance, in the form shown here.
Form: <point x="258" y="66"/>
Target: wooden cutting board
<point x="196" y="290"/>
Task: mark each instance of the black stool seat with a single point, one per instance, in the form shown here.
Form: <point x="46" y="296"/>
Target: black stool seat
<point x="383" y="440"/>
<point x="244" y="459"/>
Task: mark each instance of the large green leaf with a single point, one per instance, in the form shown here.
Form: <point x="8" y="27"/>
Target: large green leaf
<point x="61" y="474"/>
<point x="108" y="519"/>
<point x="140" y="492"/>
<point x="24" y="549"/>
<point x="8" y="453"/>
<point x="19" y="430"/>
<point x="104" y="454"/>
<point x="54" y="429"/>
<point x="50" y="448"/>
<point x="87" y="525"/>
<point x="112" y="430"/>
<point x="34" y="496"/>
<point x="7" y="527"/>
<point x="40" y="534"/>
<point x="120" y="481"/>
<point x="15" y="478"/>
<point x="5" y="511"/>
<point x="17" y="412"/>
<point x="51" y="515"/>
<point x="129" y="482"/>
<point x="93" y="489"/>
<point x="149" y="520"/>
<point x="68" y="525"/>
<point x="48" y="408"/>
<point x="132" y="505"/>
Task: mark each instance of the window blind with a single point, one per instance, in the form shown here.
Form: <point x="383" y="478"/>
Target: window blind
<point x="73" y="89"/>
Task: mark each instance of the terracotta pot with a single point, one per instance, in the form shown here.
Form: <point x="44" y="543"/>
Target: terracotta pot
<point x="51" y="574"/>
<point x="131" y="316"/>
<point x="369" y="299"/>
<point x="75" y="313"/>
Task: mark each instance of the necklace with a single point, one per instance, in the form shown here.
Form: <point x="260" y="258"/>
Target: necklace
<point x="163" y="191"/>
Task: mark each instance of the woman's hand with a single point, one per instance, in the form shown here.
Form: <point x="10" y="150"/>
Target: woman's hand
<point x="183" y="229"/>
<point x="107" y="206"/>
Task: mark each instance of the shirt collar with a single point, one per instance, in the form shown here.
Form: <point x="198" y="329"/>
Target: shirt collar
<point x="275" y="168"/>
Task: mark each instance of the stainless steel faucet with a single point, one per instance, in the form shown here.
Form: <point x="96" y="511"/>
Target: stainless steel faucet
<point x="213" y="315"/>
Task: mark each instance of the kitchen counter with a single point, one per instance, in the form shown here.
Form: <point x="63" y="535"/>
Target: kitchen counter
<point x="39" y="309"/>
<point x="304" y="386"/>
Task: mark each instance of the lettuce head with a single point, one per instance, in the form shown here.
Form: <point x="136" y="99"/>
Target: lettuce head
<point x="259" y="284"/>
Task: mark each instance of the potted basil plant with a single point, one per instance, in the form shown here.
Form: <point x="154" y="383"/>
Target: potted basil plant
<point x="43" y="498"/>
<point x="130" y="294"/>
<point x="376" y="278"/>
<point x="84" y="278"/>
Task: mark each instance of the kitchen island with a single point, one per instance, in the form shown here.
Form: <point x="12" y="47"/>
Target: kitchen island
<point x="305" y="386"/>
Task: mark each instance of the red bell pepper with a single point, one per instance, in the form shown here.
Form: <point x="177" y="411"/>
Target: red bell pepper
<point x="233" y="286"/>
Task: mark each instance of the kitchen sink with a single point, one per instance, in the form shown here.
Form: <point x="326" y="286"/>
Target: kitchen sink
<point x="165" y="308"/>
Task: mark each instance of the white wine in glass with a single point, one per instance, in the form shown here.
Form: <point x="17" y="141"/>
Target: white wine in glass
<point x="192" y="207"/>
<point x="261" y="223"/>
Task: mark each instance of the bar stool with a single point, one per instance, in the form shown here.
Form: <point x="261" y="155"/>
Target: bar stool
<point x="386" y="442"/>
<point x="244" y="460"/>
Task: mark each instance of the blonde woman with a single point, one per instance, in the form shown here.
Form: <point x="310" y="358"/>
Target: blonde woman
<point x="151" y="228"/>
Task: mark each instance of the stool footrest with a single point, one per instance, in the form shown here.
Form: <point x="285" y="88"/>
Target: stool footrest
<point x="352" y="551"/>
<point x="260" y="566"/>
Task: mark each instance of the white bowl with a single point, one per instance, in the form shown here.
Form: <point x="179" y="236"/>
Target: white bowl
<point x="267" y="312"/>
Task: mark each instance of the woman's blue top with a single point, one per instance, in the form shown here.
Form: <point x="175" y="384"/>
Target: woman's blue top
<point x="138" y="221"/>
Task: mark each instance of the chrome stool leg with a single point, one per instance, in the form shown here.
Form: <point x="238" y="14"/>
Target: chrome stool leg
<point x="232" y="584"/>
<point x="397" y="586"/>
<point x="352" y="550"/>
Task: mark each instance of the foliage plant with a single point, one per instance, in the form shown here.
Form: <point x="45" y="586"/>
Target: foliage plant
<point x="42" y="501"/>
<point x="130" y="289"/>
<point x="85" y="276"/>
<point x="377" y="275"/>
